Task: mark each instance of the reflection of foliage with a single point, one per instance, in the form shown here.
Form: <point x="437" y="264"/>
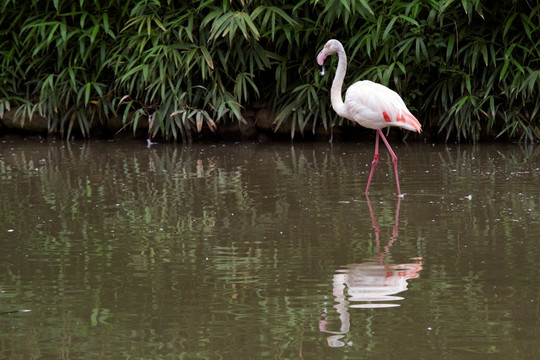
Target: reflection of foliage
<point x="194" y="239"/>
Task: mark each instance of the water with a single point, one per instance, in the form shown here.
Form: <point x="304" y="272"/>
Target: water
<point x="268" y="251"/>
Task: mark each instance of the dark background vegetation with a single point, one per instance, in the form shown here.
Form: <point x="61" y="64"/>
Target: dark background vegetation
<point x="468" y="69"/>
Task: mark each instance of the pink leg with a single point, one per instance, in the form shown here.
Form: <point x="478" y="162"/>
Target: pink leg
<point x="394" y="160"/>
<point x="375" y="160"/>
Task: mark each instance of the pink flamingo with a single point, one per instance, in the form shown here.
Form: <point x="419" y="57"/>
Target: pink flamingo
<point x="371" y="105"/>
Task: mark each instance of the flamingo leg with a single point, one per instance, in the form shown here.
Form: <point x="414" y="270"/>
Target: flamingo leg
<point x="376" y="160"/>
<point x="394" y="160"/>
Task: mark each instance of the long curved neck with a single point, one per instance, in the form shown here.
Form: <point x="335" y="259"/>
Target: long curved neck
<point x="337" y="84"/>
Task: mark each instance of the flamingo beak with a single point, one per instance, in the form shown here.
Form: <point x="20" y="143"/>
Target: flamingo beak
<point x="320" y="60"/>
<point x="321" y="57"/>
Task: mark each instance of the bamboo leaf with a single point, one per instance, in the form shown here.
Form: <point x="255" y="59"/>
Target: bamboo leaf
<point x="409" y="20"/>
<point x="504" y="69"/>
<point x="450" y="46"/>
<point x="365" y="4"/>
<point x="160" y="24"/>
<point x="94" y="33"/>
<point x="389" y="28"/>
<point x="508" y="24"/>
<point x="87" y="90"/>
<point x="207" y="57"/>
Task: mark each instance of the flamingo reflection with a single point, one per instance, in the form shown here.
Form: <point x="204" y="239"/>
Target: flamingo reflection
<point x="370" y="284"/>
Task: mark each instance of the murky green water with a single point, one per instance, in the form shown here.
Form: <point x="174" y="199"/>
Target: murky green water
<point x="268" y="251"/>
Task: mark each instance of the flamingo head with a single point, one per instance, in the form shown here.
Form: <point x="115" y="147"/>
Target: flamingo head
<point x="331" y="47"/>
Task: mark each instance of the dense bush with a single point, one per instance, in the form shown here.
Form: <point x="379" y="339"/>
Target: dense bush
<point x="467" y="68"/>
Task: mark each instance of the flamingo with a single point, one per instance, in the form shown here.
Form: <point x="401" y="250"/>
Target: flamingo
<point x="371" y="105"/>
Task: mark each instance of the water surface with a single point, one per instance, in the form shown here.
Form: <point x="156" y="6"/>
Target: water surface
<point x="256" y="251"/>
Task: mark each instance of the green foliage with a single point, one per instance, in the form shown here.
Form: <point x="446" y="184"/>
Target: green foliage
<point x="489" y="79"/>
<point x="460" y="71"/>
<point x="466" y="68"/>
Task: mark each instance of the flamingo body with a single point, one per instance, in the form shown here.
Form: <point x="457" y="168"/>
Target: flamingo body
<point x="375" y="106"/>
<point x="371" y="105"/>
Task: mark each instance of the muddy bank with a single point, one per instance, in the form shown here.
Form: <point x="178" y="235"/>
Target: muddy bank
<point x="258" y="125"/>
